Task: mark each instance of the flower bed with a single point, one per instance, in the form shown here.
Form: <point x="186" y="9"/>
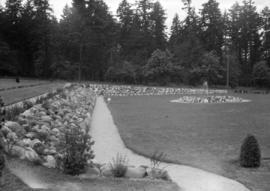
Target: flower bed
<point x="124" y="90"/>
<point x="209" y="99"/>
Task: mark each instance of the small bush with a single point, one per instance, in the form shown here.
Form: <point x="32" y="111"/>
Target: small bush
<point x="77" y="152"/>
<point x="27" y="105"/>
<point x="46" y="105"/>
<point x="250" y="155"/>
<point x="2" y="110"/>
<point x="119" y="166"/>
<point x="12" y="113"/>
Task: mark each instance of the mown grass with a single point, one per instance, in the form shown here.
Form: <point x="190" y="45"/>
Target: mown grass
<point x="16" y="95"/>
<point x="207" y="136"/>
<point x="8" y="83"/>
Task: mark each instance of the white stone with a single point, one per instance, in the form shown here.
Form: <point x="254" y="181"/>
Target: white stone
<point x="135" y="172"/>
<point x="50" y="162"/>
<point x="106" y="170"/>
<point x="27" y="113"/>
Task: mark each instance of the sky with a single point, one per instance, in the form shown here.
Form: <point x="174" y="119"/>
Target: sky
<point x="171" y="6"/>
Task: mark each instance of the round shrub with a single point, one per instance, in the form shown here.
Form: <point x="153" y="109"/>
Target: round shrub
<point x="250" y="156"/>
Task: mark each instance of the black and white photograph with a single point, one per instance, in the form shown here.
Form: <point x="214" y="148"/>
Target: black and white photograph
<point x="134" y="95"/>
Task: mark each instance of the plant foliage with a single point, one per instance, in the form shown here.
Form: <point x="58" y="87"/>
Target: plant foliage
<point x="250" y="155"/>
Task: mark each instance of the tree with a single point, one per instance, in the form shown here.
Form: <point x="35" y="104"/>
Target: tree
<point x="244" y="33"/>
<point x="43" y="22"/>
<point x="126" y="19"/>
<point x="175" y="31"/>
<point x="261" y="74"/>
<point x="209" y="69"/>
<point x="125" y="15"/>
<point x="89" y="33"/>
<point x="265" y="16"/>
<point x="212" y="27"/>
<point x="158" y="26"/>
<point x="124" y="72"/>
<point x="158" y="68"/>
<point x="234" y="68"/>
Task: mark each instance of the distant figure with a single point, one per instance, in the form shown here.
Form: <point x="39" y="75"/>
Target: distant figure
<point x="205" y="86"/>
<point x="17" y="79"/>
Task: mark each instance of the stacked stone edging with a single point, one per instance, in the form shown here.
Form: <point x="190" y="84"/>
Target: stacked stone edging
<point x="125" y="90"/>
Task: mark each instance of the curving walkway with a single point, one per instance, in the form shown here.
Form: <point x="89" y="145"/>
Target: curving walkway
<point x="108" y="143"/>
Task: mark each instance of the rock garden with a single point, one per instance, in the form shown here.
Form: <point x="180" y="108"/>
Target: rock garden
<point x="125" y="90"/>
<point x="209" y="99"/>
<point x="38" y="133"/>
<point x="53" y="131"/>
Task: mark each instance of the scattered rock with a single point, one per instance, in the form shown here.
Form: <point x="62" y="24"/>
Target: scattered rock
<point x="39" y="148"/>
<point x="106" y="171"/>
<point x="30" y="155"/>
<point x="91" y="172"/>
<point x="31" y="135"/>
<point x="17" y="151"/>
<point x="34" y="142"/>
<point x="50" y="162"/>
<point x="135" y="172"/>
<point x="50" y="151"/>
<point x="46" y="118"/>
<point x="156" y="173"/>
<point x="27" y="113"/>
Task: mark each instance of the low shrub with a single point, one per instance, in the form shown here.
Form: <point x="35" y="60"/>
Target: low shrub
<point x="250" y="155"/>
<point x="77" y="151"/>
<point x="27" y="105"/>
<point x="2" y="110"/>
<point x="11" y="114"/>
<point x="119" y="166"/>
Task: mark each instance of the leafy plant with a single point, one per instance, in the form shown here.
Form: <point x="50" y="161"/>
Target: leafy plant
<point x="46" y="105"/>
<point x="12" y="113"/>
<point x="250" y="155"/>
<point x="157" y="158"/>
<point x="119" y="166"/>
<point x="77" y="152"/>
<point x="27" y="105"/>
<point x="2" y="111"/>
<point x="11" y="140"/>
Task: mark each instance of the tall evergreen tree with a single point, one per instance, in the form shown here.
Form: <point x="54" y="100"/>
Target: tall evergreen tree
<point x="126" y="20"/>
<point x="158" y="26"/>
<point x="212" y="27"/>
<point x="244" y="33"/>
<point x="265" y="15"/>
<point x="175" y="30"/>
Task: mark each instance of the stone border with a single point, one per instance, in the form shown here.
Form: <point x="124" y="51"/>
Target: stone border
<point x="209" y="100"/>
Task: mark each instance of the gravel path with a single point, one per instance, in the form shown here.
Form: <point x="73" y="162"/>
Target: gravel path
<point x="108" y="144"/>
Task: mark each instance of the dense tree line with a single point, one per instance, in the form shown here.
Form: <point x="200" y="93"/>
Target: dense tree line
<point x="89" y="43"/>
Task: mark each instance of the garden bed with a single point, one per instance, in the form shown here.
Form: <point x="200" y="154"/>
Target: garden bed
<point x="209" y="99"/>
<point x="125" y="90"/>
<point x="37" y="133"/>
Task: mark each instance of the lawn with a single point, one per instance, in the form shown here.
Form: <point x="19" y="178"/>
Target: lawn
<point x="16" y="95"/>
<point x="207" y="136"/>
<point x="9" y="83"/>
